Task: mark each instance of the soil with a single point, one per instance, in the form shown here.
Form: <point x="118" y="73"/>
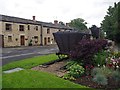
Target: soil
<point x="87" y="81"/>
<point x="57" y="69"/>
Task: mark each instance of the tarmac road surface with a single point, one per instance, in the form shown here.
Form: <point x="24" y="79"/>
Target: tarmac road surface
<point x="18" y="53"/>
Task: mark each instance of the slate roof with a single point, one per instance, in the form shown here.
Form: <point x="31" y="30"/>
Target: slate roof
<point x="6" y="18"/>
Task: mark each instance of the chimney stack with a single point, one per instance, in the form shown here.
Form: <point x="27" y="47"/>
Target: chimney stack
<point x="33" y="18"/>
<point x="55" y="21"/>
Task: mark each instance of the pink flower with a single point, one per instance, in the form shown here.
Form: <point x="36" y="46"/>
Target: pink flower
<point x="86" y="67"/>
<point x="91" y="66"/>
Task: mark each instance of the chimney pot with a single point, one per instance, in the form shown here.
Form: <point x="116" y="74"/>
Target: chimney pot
<point x="55" y="21"/>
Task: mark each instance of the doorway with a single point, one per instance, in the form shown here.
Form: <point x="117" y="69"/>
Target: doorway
<point x="45" y="41"/>
<point x="22" y="40"/>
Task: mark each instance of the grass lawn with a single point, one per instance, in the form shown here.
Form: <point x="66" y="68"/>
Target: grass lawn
<point x="0" y="78"/>
<point x="36" y="79"/>
<point x="30" y="62"/>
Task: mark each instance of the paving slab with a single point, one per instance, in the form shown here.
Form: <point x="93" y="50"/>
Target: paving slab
<point x="13" y="70"/>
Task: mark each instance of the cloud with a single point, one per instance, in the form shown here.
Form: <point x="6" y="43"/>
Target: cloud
<point x="93" y="11"/>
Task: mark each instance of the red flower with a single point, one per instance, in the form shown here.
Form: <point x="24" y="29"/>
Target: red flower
<point x="91" y="66"/>
<point x="86" y="67"/>
<point x="110" y="65"/>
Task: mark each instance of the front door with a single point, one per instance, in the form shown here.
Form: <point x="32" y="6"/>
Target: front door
<point x="22" y="40"/>
<point x="45" y="41"/>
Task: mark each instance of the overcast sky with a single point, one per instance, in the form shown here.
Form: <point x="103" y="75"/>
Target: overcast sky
<point x="92" y="11"/>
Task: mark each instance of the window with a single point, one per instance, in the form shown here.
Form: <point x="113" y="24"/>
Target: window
<point x="9" y="38"/>
<point x="36" y="39"/>
<point x="8" y="27"/>
<point x="36" y="28"/>
<point x="48" y="39"/>
<point x="28" y="27"/>
<point x="59" y="30"/>
<point x="21" y="27"/>
<point x="48" y="30"/>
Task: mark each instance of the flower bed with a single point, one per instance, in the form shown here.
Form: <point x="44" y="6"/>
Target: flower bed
<point x="94" y="65"/>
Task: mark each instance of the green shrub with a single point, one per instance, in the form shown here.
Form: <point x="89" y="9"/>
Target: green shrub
<point x="103" y="70"/>
<point x="95" y="71"/>
<point x="116" y="75"/>
<point x="100" y="79"/>
<point x="70" y="63"/>
<point x="100" y="75"/>
<point x="68" y="76"/>
<point x="30" y="43"/>
<point x="76" y="70"/>
<point x="100" y="58"/>
<point x="106" y="71"/>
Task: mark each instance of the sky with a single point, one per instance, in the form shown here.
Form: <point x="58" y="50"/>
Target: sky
<point x="92" y="11"/>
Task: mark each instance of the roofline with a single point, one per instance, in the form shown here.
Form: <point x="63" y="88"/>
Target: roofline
<point x="6" y="18"/>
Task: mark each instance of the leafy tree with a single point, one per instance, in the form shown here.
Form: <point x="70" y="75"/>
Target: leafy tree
<point x="61" y="23"/>
<point x="95" y="31"/>
<point x="78" y="24"/>
<point x="111" y="22"/>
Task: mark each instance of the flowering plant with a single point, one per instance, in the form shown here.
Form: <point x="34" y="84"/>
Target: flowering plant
<point x="88" y="69"/>
<point x="113" y="61"/>
<point x="76" y="70"/>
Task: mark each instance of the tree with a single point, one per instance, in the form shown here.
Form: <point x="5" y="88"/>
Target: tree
<point x="95" y="31"/>
<point x="78" y="24"/>
<point x="61" y="23"/>
<point x="111" y="23"/>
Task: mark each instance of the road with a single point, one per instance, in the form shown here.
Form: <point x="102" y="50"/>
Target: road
<point x="13" y="54"/>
